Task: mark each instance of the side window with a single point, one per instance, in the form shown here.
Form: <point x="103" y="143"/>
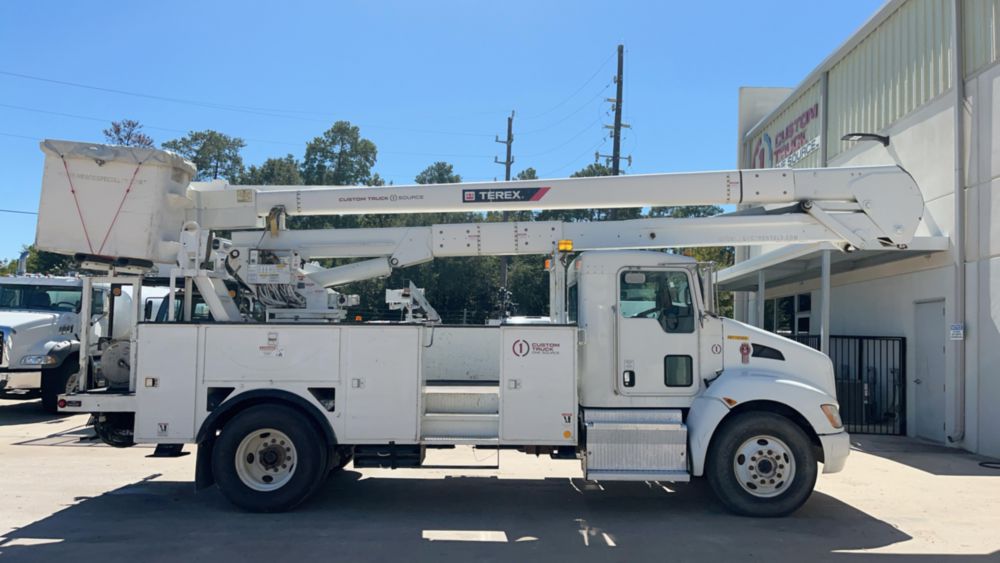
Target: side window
<point x="678" y="371"/>
<point x="63" y="299"/>
<point x="664" y="296"/>
<point x="200" y="313"/>
<point x="96" y="302"/>
<point x="573" y="304"/>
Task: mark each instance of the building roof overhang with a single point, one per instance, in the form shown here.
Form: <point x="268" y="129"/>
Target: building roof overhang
<point x="800" y="262"/>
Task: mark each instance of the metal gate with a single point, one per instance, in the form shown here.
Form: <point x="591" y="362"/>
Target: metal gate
<point x="871" y="381"/>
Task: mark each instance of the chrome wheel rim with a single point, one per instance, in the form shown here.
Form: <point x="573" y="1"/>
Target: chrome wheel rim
<point x="72" y="384"/>
<point x="764" y="466"/>
<point x="265" y="459"/>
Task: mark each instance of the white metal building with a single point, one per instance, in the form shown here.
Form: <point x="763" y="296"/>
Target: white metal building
<point x="915" y="332"/>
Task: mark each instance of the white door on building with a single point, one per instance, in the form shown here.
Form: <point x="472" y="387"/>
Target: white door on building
<point x="929" y="380"/>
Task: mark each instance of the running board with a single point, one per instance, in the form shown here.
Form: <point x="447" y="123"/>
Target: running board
<point x="611" y="475"/>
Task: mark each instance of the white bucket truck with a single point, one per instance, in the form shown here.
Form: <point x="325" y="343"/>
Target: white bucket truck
<point x="635" y="375"/>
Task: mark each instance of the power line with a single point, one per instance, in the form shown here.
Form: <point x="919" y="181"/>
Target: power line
<point x="577" y="158"/>
<point x="21" y="136"/>
<point x="568" y="141"/>
<point x="252" y="139"/>
<point x="267" y="112"/>
<point x="571" y="114"/>
<point x="18" y="211"/>
<point x="575" y="92"/>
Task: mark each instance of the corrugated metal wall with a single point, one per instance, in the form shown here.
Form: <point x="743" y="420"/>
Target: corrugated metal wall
<point x="903" y="64"/>
<point x="980" y="34"/>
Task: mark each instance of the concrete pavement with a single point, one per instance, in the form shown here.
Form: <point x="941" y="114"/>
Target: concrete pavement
<point x="65" y="497"/>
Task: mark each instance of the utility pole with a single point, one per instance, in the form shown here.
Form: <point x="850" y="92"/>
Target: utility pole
<point x="614" y="159"/>
<point x="616" y="129"/>
<point x="505" y="260"/>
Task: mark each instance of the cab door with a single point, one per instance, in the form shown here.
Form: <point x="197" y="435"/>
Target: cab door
<point x="657" y="332"/>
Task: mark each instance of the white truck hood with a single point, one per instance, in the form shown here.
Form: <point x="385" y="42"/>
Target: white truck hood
<point x="800" y="362"/>
<point x="21" y="320"/>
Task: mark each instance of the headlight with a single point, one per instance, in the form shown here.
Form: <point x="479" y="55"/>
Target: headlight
<point x="833" y="415"/>
<point x="38" y="360"/>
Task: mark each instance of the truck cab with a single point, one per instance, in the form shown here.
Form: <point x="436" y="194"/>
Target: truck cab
<point x="39" y="329"/>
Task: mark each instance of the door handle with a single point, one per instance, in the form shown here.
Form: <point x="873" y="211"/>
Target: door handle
<point x="628" y="378"/>
<point x="918" y="381"/>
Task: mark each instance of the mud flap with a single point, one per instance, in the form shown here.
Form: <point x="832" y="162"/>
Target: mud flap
<point x="203" y="476"/>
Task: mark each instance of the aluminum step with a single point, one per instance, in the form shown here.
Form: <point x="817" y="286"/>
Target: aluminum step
<point x="459" y="441"/>
<point x="676" y="476"/>
<point x="635" y="445"/>
<point x="460" y="425"/>
<point x="461" y="399"/>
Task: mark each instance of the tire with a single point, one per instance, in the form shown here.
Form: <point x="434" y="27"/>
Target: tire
<point x="55" y="382"/>
<point x="269" y="458"/>
<point x="774" y="484"/>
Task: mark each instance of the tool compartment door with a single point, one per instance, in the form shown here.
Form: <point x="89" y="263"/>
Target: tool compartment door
<point x="381" y="376"/>
<point x="538" y="404"/>
<point x="166" y="363"/>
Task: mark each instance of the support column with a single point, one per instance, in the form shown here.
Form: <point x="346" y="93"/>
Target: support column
<point x="761" y="288"/>
<point x="824" y="306"/>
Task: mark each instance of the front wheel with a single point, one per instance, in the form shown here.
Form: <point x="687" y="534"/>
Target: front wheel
<point x="269" y="458"/>
<point x="58" y="381"/>
<point x="761" y="464"/>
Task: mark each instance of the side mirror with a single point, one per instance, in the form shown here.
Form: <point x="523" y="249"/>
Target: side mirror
<point x="148" y="310"/>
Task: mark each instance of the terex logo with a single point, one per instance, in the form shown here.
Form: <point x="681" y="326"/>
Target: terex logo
<point x="513" y="194"/>
<point x="521" y="348"/>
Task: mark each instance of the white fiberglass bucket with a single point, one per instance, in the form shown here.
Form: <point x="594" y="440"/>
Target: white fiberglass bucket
<point x="112" y="201"/>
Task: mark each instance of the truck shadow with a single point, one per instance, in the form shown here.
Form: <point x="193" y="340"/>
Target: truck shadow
<point x="25" y="411"/>
<point x="411" y="519"/>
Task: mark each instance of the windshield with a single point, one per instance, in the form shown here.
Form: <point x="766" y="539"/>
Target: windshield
<point x="199" y="310"/>
<point x="40" y="297"/>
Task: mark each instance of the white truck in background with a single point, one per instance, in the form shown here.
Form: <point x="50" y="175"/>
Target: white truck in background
<point x="39" y="331"/>
<point x="634" y="374"/>
<point x="40" y="326"/>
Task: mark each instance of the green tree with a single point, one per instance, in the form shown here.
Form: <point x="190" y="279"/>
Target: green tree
<point x="438" y="173"/>
<point x="215" y="154"/>
<point x="527" y="174"/>
<point x="128" y="133"/>
<point x="274" y="172"/>
<point x="42" y="262"/>
<point x="339" y="157"/>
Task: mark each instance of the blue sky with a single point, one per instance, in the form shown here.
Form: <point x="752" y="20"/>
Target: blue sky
<point x="425" y="81"/>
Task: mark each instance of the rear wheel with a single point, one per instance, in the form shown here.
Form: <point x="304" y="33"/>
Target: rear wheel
<point x="269" y="458"/>
<point x="761" y="464"/>
<point x="58" y="381"/>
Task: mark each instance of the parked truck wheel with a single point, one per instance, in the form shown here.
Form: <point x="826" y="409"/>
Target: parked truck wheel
<point x="761" y="464"/>
<point x="269" y="458"/>
<point x="58" y="381"/>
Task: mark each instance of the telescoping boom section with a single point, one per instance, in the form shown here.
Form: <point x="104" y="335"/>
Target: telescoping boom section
<point x="256" y="357"/>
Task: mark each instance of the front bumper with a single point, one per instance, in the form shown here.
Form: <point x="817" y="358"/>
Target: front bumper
<point x="836" y="448"/>
<point x="20" y="380"/>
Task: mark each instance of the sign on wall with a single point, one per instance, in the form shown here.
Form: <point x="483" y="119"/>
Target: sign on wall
<point x="791" y="137"/>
